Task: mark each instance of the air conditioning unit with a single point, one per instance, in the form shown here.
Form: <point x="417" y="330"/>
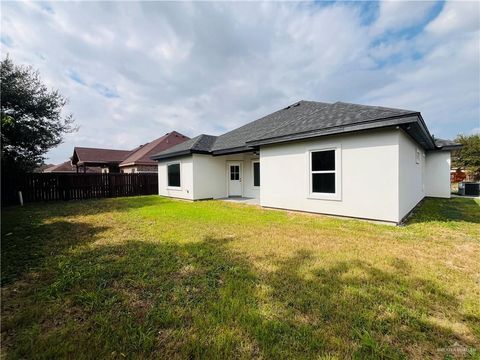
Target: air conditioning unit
<point x="469" y="189"/>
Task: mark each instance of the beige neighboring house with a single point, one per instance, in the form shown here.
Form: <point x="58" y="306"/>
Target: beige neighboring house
<point x="138" y="161"/>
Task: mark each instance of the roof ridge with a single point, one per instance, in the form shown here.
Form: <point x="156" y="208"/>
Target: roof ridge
<point x="87" y="147"/>
<point x="374" y="106"/>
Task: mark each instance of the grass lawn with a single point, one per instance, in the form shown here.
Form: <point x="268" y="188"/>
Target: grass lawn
<point x="150" y="277"/>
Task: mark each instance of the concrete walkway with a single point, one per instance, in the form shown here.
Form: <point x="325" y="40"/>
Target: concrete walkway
<point x="242" y="200"/>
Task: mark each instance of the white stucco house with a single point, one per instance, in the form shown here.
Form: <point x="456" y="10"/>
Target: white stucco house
<point x="341" y="159"/>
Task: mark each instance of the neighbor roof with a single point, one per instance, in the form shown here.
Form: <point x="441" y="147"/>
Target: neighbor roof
<point x="306" y="119"/>
<point x="98" y="156"/>
<point x="67" y="167"/>
<point x="141" y="155"/>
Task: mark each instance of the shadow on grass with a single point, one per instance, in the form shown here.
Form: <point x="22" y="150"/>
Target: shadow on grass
<point x="201" y="300"/>
<point x="48" y="209"/>
<point x="32" y="233"/>
<point x="24" y="248"/>
<point x="447" y="210"/>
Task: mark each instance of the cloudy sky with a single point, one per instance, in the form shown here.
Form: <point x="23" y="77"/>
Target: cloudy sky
<point x="134" y="71"/>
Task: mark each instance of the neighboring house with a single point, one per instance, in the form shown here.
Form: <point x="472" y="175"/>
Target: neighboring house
<point x="41" y="168"/>
<point x="341" y="159"/>
<point x="139" y="160"/>
<point x="67" y="167"/>
<point x="106" y="159"/>
<point x="115" y="161"/>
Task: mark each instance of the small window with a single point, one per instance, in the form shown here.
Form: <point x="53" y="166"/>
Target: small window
<point x="256" y="173"/>
<point x="323" y="172"/>
<point x="234" y="172"/>
<point x="174" y="175"/>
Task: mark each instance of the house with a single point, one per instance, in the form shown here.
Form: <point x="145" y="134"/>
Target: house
<point x="139" y="160"/>
<point x="107" y="159"/>
<point x="128" y="161"/>
<point x="41" y="168"/>
<point x="67" y="167"/>
<point x="340" y="159"/>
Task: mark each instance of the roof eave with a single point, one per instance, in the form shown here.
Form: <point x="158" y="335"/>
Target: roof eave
<point x="336" y="130"/>
<point x="136" y="163"/>
<point x="428" y="136"/>
<point x="235" y="150"/>
<point x="170" y="155"/>
<point x="449" y="147"/>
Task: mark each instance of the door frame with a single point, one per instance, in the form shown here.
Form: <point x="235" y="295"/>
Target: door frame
<point x="234" y="162"/>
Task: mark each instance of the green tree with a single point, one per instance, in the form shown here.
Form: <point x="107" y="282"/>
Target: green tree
<point x="32" y="120"/>
<point x="468" y="157"/>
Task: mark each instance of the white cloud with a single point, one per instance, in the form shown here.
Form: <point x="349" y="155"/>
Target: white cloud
<point x="210" y="67"/>
<point x="457" y="17"/>
<point x="396" y="15"/>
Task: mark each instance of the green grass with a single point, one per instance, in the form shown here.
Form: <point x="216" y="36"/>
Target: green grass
<point x="150" y="277"/>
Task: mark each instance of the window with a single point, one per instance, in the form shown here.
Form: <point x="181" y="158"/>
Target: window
<point x="324" y="176"/>
<point x="256" y="173"/>
<point x="234" y="172"/>
<point x="173" y="175"/>
<point x="323" y="171"/>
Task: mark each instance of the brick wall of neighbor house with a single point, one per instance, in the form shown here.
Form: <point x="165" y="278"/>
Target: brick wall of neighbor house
<point x="140" y="169"/>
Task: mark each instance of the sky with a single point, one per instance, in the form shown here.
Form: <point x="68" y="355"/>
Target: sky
<point x="133" y="71"/>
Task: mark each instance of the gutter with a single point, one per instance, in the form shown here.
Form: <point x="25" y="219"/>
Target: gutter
<point x="178" y="153"/>
<point x="337" y="130"/>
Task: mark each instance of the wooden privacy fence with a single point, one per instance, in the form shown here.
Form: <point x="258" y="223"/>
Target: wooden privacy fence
<point x="51" y="186"/>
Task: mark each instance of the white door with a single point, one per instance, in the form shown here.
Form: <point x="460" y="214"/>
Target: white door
<point x="234" y="179"/>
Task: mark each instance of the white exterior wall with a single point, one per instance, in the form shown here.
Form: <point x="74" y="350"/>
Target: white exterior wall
<point x="437" y="171"/>
<point x="206" y="176"/>
<point x="369" y="175"/>
<point x="211" y="175"/>
<point x="411" y="174"/>
<point x="186" y="179"/>
<point x="379" y="177"/>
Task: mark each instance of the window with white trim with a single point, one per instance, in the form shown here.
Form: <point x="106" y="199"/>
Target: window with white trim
<point x="173" y="171"/>
<point x="324" y="176"/>
<point x="256" y="173"/>
<point x="323" y="172"/>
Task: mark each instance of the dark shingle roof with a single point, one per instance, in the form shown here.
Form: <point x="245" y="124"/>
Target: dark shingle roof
<point x="199" y="144"/>
<point x="310" y="119"/>
<point x="238" y="137"/>
<point x="313" y="117"/>
<point x="447" y="144"/>
<point x="302" y="117"/>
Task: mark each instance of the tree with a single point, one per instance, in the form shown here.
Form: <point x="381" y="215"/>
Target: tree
<point x="31" y="118"/>
<point x="468" y="157"/>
